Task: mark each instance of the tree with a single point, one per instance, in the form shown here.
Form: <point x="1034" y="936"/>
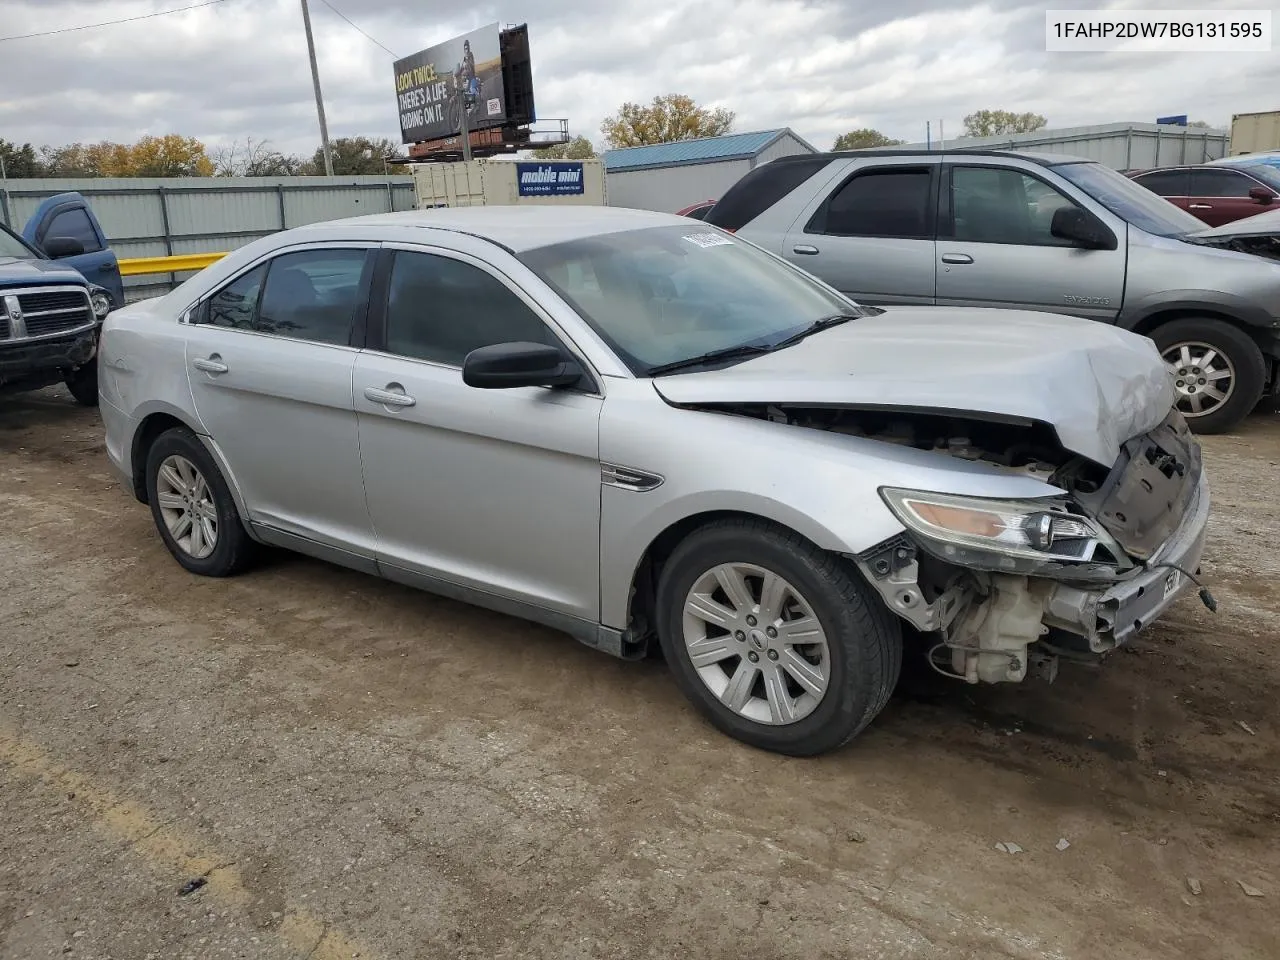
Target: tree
<point x="579" y="148"/>
<point x="862" y="139"/>
<point x="20" y="161"/>
<point x="254" y="158"/>
<point x="668" y="118"/>
<point x="353" y="156"/>
<point x="995" y="123"/>
<point x="169" y="156"/>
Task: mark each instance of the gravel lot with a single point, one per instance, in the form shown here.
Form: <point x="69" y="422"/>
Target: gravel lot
<point x="356" y="769"/>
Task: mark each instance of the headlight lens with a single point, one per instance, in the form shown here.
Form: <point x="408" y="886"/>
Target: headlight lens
<point x="101" y="304"/>
<point x="1007" y="536"/>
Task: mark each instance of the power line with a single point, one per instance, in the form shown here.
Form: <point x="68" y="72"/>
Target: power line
<point x="111" y="23"/>
<point x="366" y="36"/>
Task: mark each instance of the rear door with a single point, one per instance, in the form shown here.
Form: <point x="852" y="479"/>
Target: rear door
<point x="995" y="248"/>
<point x="871" y="235"/>
<point x="69" y="215"/>
<point x="1174" y="185"/>
<point x="1221" y="195"/>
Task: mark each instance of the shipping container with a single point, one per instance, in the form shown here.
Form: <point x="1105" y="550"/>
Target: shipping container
<point x="479" y="183"/>
<point x="1255" y="132"/>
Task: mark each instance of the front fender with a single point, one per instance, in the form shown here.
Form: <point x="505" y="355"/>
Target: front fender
<point x="1246" y="311"/>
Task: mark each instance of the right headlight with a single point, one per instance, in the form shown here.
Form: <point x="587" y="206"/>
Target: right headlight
<point x="1032" y="537"/>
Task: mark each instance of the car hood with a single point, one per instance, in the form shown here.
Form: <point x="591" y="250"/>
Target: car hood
<point x="1258" y="225"/>
<point x="14" y="271"/>
<point x="1096" y="385"/>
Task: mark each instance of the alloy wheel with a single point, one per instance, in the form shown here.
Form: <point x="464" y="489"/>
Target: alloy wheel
<point x="1203" y="377"/>
<point x="756" y="643"/>
<point x="187" y="507"/>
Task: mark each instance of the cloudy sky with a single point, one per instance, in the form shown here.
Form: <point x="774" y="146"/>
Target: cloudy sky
<point x="239" y="68"/>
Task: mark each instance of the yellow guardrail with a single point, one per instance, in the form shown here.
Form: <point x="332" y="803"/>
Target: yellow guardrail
<point x="140" y="266"/>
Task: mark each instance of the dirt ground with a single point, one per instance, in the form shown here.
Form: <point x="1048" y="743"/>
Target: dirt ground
<point x="350" y="768"/>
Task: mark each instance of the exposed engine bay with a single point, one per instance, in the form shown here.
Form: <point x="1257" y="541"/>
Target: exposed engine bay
<point x="1265" y="245"/>
<point x="981" y="616"/>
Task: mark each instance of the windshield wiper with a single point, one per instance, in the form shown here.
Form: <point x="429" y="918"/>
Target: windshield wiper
<point x="822" y="323"/>
<point x="728" y="353"/>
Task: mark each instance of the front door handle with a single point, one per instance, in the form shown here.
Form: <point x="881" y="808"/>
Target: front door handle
<point x="392" y="396"/>
<point x="1202" y="206"/>
<point x="956" y="258"/>
<point x="804" y="249"/>
<point x="213" y="364"/>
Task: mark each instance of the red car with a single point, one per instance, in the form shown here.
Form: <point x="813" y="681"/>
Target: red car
<point x="1216" y="193"/>
<point x="697" y="210"/>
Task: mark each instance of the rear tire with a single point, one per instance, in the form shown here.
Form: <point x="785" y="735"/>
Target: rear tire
<point x="193" y="508"/>
<point x="806" y="621"/>
<point x="1214" y="365"/>
<point x="83" y="384"/>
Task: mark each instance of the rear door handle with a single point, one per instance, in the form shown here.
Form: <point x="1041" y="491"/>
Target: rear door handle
<point x="804" y="249"/>
<point x="1202" y="206"/>
<point x="392" y="396"/>
<point x="956" y="258"/>
<point x="212" y="365"/>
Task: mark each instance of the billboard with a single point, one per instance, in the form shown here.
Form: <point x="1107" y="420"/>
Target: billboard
<point x="428" y="85"/>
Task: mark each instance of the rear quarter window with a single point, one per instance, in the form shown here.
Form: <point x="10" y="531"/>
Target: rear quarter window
<point x="760" y="189"/>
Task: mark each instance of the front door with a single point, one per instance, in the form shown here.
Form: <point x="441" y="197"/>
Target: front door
<point x="872" y="236"/>
<point x="269" y="360"/>
<point x="1220" y="195"/>
<point x="495" y="490"/>
<point x="995" y="248"/>
<point x="69" y="215"/>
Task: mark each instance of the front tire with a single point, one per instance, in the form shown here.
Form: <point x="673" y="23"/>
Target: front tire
<point x="83" y="384"/>
<point x="193" y="508"/>
<point x="1218" y="372"/>
<point x="779" y="644"/>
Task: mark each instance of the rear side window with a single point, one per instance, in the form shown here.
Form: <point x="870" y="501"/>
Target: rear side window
<point x="1167" y="183"/>
<point x="760" y="189"/>
<point x="889" y="202"/>
<point x="74" y="223"/>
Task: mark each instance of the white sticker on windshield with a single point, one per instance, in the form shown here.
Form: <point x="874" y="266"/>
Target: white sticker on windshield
<point x="709" y="240"/>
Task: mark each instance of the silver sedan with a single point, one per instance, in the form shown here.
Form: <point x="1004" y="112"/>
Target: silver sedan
<point x="649" y="433"/>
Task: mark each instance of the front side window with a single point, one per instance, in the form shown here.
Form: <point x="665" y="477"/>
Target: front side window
<point x="440" y="309"/>
<point x="75" y="223"/>
<point x="892" y="202"/>
<point x="307" y="295"/>
<point x="1220" y="183"/>
<point x="664" y="294"/>
<point x="1003" y="205"/>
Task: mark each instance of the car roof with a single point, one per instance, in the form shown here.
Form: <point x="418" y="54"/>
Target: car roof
<point x="1043" y="159"/>
<point x="516" y="228"/>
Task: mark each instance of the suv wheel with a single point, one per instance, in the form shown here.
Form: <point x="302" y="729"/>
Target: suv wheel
<point x="83" y="384"/>
<point x="778" y="643"/>
<point x="193" y="508"/>
<point x="1218" y="371"/>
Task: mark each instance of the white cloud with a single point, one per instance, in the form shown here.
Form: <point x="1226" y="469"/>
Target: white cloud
<point x="239" y="68"/>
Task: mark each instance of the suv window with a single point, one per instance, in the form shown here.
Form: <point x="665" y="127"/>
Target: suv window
<point x="440" y="309"/>
<point x="74" y="223"/>
<point x="309" y="295"/>
<point x="760" y="189"/>
<point x="995" y="205"/>
<point x="889" y="202"/>
<point x="1220" y="183"/>
<point x="1167" y="183"/>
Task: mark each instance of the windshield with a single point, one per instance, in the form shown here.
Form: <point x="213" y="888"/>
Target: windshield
<point x="12" y="248"/>
<point x="665" y="294"/>
<point x="1267" y="174"/>
<point x="1130" y="201"/>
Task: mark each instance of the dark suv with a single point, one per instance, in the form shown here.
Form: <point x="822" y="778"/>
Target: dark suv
<point x="50" y="317"/>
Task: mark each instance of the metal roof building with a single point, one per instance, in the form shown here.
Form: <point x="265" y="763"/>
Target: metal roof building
<point x="670" y="176"/>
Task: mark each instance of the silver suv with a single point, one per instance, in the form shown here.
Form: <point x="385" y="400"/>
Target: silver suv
<point x="1025" y="231"/>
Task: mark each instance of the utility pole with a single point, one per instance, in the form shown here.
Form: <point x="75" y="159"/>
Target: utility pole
<point x="315" y="82"/>
<point x="465" y="132"/>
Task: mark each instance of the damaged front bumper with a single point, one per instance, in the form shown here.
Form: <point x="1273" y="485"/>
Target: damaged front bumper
<point x="997" y="627"/>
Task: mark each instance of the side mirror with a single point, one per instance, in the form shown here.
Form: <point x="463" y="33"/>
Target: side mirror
<point x="59" y="247"/>
<point x="505" y="365"/>
<point x="1261" y="194"/>
<point x="1082" y="229"/>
